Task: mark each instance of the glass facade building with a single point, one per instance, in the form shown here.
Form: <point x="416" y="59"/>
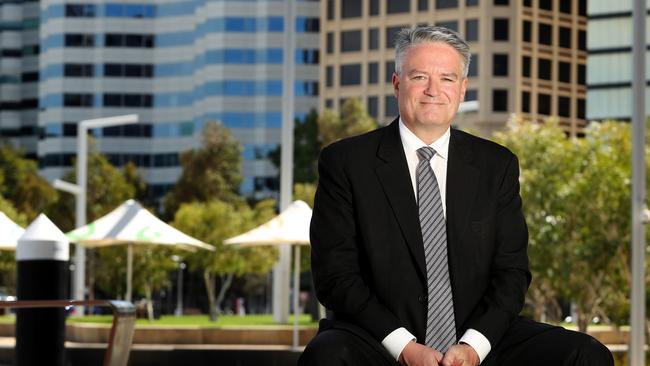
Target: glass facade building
<point x="178" y="64"/>
<point x="609" y="75"/>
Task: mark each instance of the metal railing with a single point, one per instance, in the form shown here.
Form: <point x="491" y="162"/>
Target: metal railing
<point x="121" y="333"/>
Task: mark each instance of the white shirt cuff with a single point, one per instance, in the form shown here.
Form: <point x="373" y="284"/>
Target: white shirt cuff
<point x="477" y="341"/>
<point x="396" y="341"/>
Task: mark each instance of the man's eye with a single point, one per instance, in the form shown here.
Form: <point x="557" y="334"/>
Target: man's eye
<point x="418" y="77"/>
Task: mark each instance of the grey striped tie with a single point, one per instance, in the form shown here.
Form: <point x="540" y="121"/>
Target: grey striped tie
<point x="441" y="328"/>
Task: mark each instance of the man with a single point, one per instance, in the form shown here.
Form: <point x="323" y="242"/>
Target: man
<point x="418" y="236"/>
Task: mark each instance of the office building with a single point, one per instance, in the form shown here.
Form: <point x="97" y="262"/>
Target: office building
<point x="609" y="75"/>
<point x="528" y="57"/>
<point x="176" y="63"/>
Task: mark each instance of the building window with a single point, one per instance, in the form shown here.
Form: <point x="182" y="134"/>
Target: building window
<point x="79" y="40"/>
<point x="446" y="4"/>
<point x="329" y="75"/>
<point x="500" y="64"/>
<point x="330" y="9"/>
<point x="391" y="32"/>
<point x="373" y="106"/>
<point x="582" y="74"/>
<point x="582" y="40"/>
<point x="501" y="2"/>
<point x="374" y="7"/>
<point x="373" y="38"/>
<point x="528" y="3"/>
<point x="351" y="41"/>
<point x="329" y="103"/>
<point x="527" y="31"/>
<point x="546" y="4"/>
<point x="423" y="5"/>
<point x="499" y="100"/>
<point x="350" y="74"/>
<point x="80" y="10"/>
<point x="525" y="102"/>
<point x="351" y="8"/>
<point x="398" y="6"/>
<point x="544" y="69"/>
<point x="452" y="25"/>
<point x="545" y="34"/>
<point x="525" y="66"/>
<point x="544" y="104"/>
<point x="390" y="69"/>
<point x="330" y="42"/>
<point x="390" y="106"/>
<point x="582" y="9"/>
<point x="564" y="69"/>
<point x="565" y="7"/>
<point x="77" y="100"/>
<point x="471" y="30"/>
<point x="564" y="106"/>
<point x="500" y="29"/>
<point x="471" y="94"/>
<point x="373" y="72"/>
<point x="565" y="37"/>
<point x="78" y="70"/>
<point x="469" y="3"/>
<point x="582" y="106"/>
<point x="473" y="66"/>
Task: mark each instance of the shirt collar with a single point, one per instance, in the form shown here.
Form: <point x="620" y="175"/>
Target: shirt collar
<point x="412" y="143"/>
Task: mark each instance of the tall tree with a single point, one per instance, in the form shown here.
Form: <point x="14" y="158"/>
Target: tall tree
<point x="576" y="195"/>
<point x="351" y="120"/>
<point x="212" y="172"/>
<point x="215" y="221"/>
<point x="21" y="185"/>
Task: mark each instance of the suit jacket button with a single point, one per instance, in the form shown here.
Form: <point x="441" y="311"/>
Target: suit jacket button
<point x="422" y="299"/>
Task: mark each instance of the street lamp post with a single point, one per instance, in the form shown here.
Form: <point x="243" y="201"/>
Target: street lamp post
<point x="80" y="189"/>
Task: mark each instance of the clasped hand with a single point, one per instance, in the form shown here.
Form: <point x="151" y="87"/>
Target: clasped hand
<point x="415" y="354"/>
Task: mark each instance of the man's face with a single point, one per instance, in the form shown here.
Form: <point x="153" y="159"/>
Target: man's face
<point x="431" y="86"/>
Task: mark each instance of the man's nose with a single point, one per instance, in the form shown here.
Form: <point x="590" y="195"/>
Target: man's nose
<point x="433" y="87"/>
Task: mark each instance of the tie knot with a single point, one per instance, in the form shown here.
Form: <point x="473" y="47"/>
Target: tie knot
<point x="426" y="153"/>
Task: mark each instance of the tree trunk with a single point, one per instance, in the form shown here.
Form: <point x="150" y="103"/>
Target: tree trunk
<point x="147" y="292"/>
<point x="583" y="320"/>
<point x="225" y="285"/>
<point x="208" y="280"/>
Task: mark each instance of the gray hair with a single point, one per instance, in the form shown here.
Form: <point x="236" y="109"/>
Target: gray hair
<point x="409" y="37"/>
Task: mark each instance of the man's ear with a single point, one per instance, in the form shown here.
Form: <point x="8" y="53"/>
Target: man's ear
<point x="463" y="88"/>
<point x="395" y="81"/>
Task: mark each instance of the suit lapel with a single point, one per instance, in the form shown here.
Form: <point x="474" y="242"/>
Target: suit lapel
<point x="462" y="178"/>
<point x="392" y="171"/>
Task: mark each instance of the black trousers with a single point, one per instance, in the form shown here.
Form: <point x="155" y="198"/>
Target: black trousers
<point x="525" y="343"/>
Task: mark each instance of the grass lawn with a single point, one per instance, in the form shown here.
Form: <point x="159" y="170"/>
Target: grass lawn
<point x="190" y="320"/>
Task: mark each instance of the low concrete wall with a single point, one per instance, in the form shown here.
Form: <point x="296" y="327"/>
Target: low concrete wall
<point x="96" y="333"/>
<point x="267" y="335"/>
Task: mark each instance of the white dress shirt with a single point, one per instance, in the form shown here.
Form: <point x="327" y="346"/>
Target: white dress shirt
<point x="399" y="338"/>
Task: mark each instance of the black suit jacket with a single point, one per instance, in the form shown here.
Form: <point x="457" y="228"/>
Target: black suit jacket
<point x="367" y="251"/>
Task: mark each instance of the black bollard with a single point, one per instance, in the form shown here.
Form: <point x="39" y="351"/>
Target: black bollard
<point x="42" y="258"/>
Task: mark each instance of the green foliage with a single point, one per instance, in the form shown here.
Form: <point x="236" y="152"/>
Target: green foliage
<point x="21" y="185"/>
<point x="134" y="177"/>
<point x="211" y="172"/>
<point x="576" y="195"/>
<point x="351" y="120"/>
<point x="151" y="267"/>
<point x="215" y="221"/>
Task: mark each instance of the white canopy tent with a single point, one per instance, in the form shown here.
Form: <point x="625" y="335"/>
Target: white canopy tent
<point x="10" y="232"/>
<point x="131" y="224"/>
<point x="291" y="226"/>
